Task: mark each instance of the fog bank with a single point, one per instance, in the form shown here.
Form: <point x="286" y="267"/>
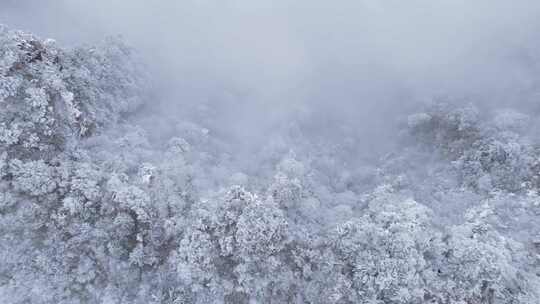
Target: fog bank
<point x="359" y="63"/>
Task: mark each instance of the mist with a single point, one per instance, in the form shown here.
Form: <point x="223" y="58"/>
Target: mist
<point x="281" y="151"/>
<point x="362" y="63"/>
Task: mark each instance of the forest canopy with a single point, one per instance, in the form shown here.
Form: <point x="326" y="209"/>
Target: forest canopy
<point x="96" y="207"/>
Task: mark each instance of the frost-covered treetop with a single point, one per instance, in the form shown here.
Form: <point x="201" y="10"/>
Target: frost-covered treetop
<point x="50" y="95"/>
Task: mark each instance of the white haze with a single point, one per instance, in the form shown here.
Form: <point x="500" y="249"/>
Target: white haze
<point x="275" y="152"/>
<point x="359" y="62"/>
